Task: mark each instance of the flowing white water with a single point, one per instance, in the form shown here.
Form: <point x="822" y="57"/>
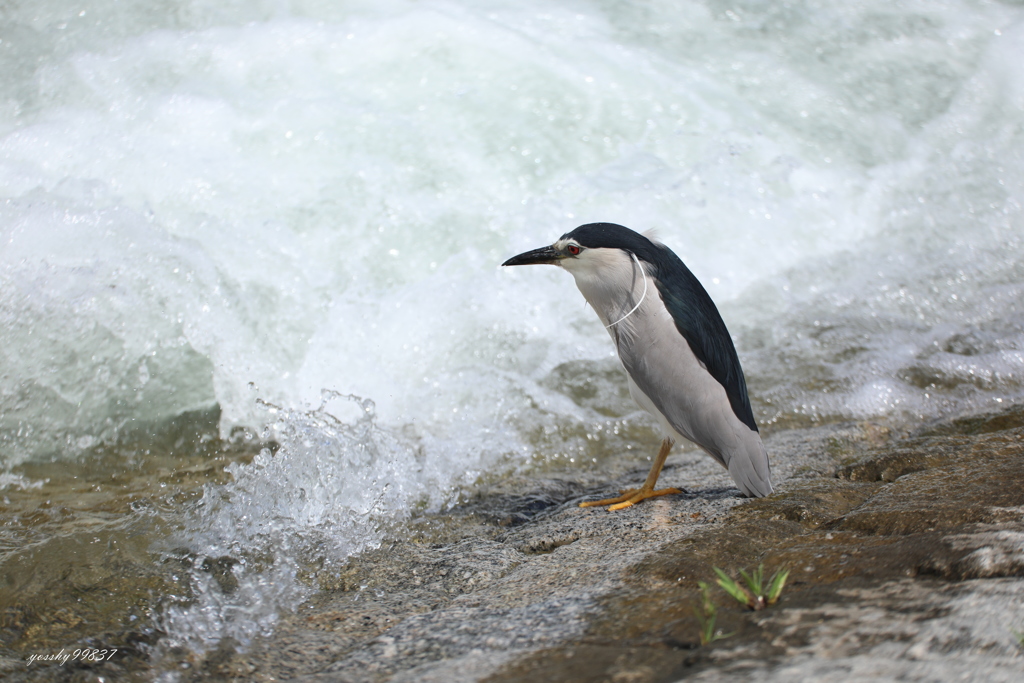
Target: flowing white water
<point x="209" y="203"/>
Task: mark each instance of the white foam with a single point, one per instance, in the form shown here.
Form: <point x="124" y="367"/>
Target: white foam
<point x="325" y="494"/>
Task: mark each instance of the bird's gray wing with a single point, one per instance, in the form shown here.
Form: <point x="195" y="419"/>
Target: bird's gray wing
<point x="677" y="388"/>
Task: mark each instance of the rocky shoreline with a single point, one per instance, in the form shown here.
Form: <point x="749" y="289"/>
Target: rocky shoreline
<point x="906" y="554"/>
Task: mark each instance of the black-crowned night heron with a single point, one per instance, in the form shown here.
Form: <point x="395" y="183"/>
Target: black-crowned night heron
<point x="679" y="357"/>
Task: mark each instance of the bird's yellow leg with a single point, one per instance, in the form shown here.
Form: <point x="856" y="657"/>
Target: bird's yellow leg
<point x="633" y="496"/>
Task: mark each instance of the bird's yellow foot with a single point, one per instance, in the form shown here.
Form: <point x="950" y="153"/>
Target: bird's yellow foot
<point x="628" y="498"/>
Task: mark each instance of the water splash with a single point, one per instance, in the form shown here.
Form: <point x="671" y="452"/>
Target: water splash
<point x="328" y="490"/>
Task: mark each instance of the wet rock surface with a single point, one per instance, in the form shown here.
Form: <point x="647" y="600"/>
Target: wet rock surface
<point x="906" y="554"/>
<point x="886" y="561"/>
<point x="84" y="575"/>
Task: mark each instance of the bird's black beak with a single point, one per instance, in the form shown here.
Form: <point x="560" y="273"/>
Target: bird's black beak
<point x="548" y="255"/>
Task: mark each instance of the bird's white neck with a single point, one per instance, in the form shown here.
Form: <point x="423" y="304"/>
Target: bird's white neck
<point x="612" y="282"/>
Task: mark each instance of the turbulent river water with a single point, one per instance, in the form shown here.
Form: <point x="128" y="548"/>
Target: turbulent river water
<point x="251" y="314"/>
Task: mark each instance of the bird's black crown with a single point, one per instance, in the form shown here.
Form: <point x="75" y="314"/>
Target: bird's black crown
<point x="610" y="236"/>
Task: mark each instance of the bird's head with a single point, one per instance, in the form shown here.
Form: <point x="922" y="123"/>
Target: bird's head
<point x="589" y="249"/>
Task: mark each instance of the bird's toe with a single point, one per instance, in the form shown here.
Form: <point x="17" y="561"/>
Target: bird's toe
<point x="630" y="498"/>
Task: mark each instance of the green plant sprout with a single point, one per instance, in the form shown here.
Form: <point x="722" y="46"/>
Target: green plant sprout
<point x="1019" y="635"/>
<point x="706" y="614"/>
<point x="758" y="597"/>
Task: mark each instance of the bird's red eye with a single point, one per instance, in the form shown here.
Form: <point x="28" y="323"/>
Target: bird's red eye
<point x="573" y="249"/>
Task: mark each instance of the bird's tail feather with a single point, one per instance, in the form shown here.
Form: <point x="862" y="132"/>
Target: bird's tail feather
<point x="749" y="468"/>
